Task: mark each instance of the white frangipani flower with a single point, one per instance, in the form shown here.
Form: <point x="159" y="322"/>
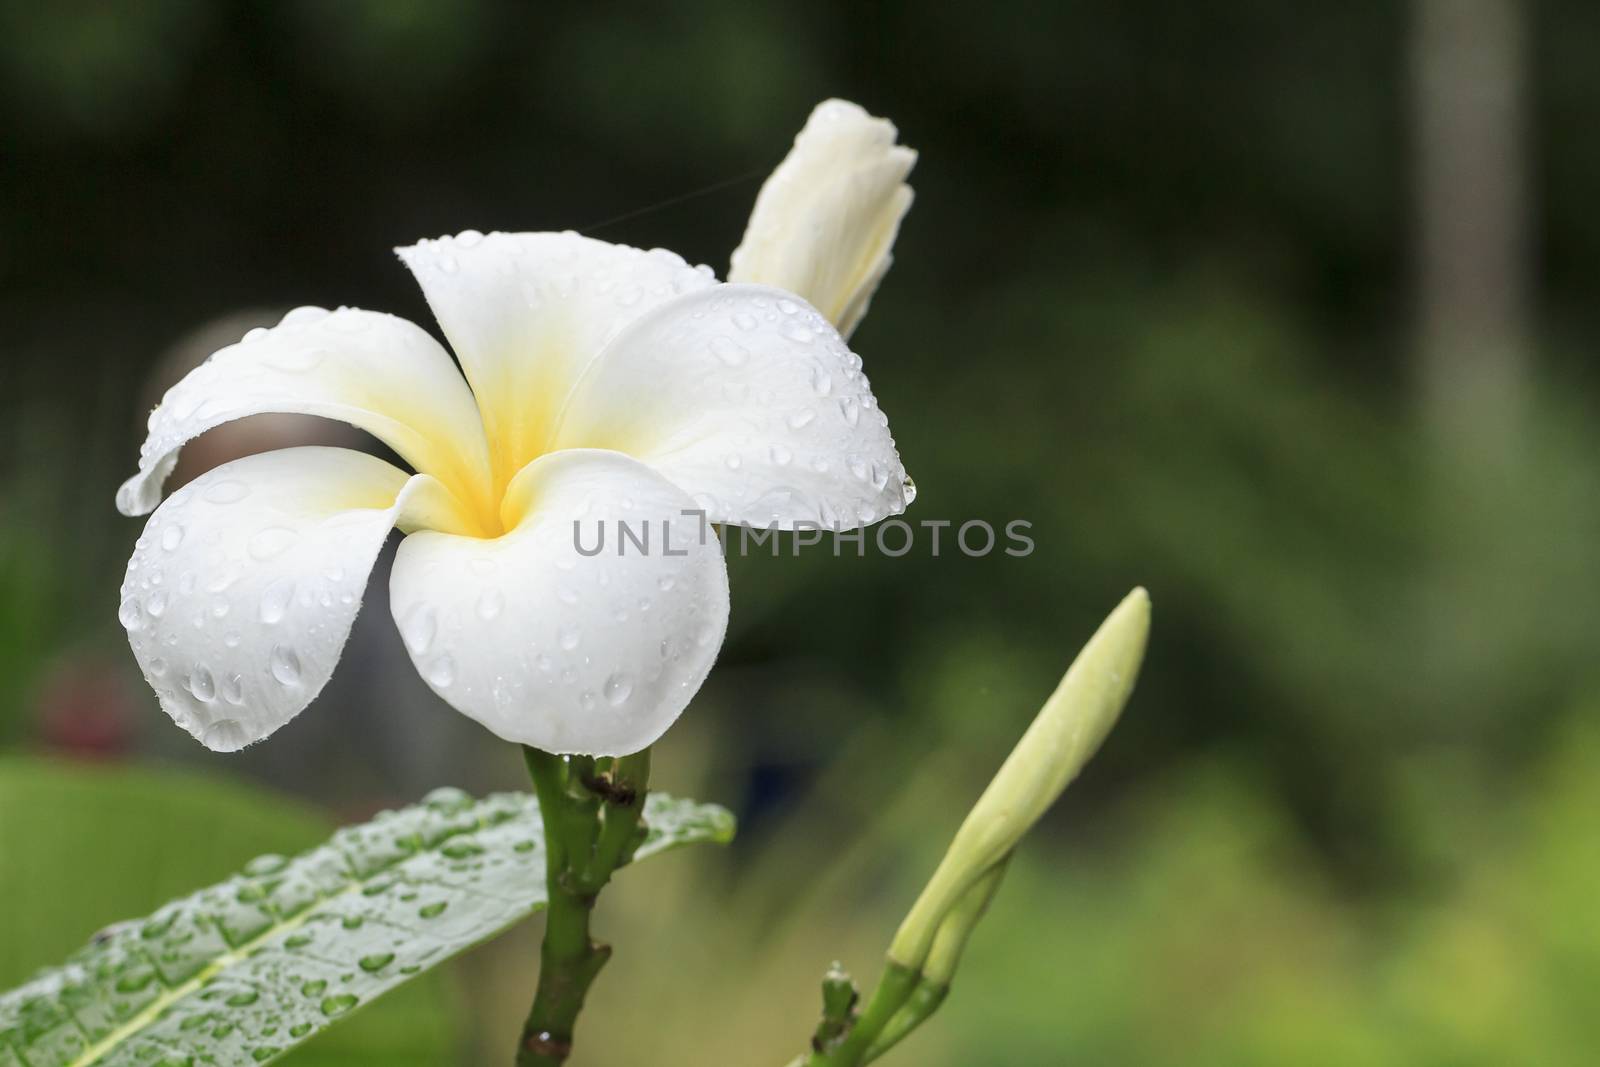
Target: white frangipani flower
<point x="826" y="220"/>
<point x="603" y="384"/>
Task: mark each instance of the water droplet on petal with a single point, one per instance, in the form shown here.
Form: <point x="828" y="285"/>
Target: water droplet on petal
<point x="156" y="605"/>
<point x="420" y="627"/>
<point x="272" y="541"/>
<point x="490" y="604"/>
<point x="728" y="350"/>
<point x="171" y="537"/>
<point x="224" y="735"/>
<point x="202" y="685"/>
<point x="618" y="688"/>
<point x="275" y="600"/>
<point x="569" y="637"/>
<point x="296" y="360"/>
<point x="442" y="671"/>
<point x="131" y="615"/>
<point x="799" y="420"/>
<point x="285" y="665"/>
<point x="821" y="383"/>
<point x="228" y="491"/>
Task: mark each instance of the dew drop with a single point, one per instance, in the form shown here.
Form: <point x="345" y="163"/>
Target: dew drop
<point x="434" y="910"/>
<point x="202" y="685"/>
<point x="376" y="962"/>
<point x="228" y="491"/>
<point x="442" y="672"/>
<point x="342" y="1002"/>
<point x="171" y="538"/>
<point x="131" y="615"/>
<point x="420" y="628"/>
<point x="821" y="384"/>
<point x="491" y="604"/>
<point x="272" y="541"/>
<point x="224" y="735"/>
<point x="285" y="665"/>
<point x="156" y="605"/>
<point x="569" y="637"/>
<point x="780" y="455"/>
<point x="728" y="350"/>
<point x="275" y="600"/>
<point x="296" y="360"/>
<point x="799" y="420"/>
<point x="617" y="689"/>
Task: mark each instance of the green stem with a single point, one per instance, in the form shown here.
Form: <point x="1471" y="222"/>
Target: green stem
<point x="924" y="1001"/>
<point x="591" y="823"/>
<point x="894" y="988"/>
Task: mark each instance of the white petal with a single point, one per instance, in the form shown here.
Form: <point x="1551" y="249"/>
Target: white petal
<point x="552" y="648"/>
<point x="379" y="372"/>
<point x="825" y="222"/>
<point x="526" y="312"/>
<point x="243" y="587"/>
<point x="749" y="400"/>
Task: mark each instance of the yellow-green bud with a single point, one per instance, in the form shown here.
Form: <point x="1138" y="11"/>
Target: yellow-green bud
<point x="1066" y="732"/>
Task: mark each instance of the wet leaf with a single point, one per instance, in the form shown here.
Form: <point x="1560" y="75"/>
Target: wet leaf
<point x="243" y="971"/>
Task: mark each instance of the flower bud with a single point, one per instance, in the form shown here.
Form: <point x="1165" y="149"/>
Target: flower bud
<point x="1064" y="735"/>
<point x="825" y="221"/>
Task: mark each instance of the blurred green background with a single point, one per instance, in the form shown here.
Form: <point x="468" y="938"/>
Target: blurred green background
<point x="1286" y="312"/>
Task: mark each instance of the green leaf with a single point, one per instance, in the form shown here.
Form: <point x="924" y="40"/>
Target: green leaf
<point x="83" y="845"/>
<point x="242" y="971"/>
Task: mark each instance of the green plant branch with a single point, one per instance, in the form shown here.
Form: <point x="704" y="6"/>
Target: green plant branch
<point x="592" y="826"/>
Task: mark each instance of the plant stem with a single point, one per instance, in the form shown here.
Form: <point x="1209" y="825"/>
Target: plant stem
<point x="592" y="824"/>
<point x="894" y="989"/>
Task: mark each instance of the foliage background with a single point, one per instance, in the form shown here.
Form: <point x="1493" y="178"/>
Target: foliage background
<point x="1192" y="288"/>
